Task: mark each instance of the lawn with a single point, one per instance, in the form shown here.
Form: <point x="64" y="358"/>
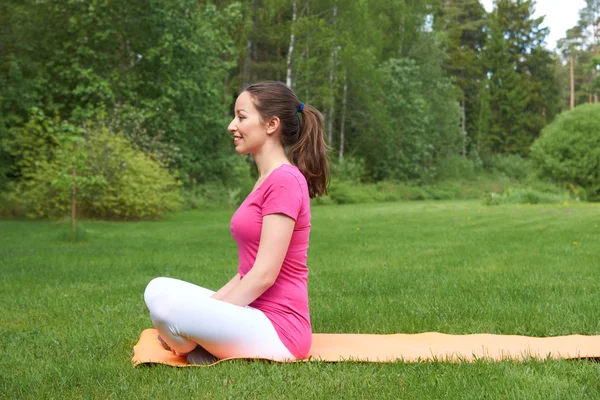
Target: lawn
<point x="71" y="312"/>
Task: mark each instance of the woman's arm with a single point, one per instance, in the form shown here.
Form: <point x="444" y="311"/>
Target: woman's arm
<point x="227" y="287"/>
<point x="275" y="239"/>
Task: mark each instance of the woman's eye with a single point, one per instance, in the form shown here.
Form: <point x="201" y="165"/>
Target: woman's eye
<point x="240" y="117"/>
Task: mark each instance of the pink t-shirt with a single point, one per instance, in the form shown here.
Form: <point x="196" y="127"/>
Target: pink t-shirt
<point x="285" y="303"/>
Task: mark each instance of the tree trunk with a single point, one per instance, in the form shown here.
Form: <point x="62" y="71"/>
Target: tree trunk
<point x="595" y="76"/>
<point x="331" y="111"/>
<point x="73" y="202"/>
<point x="594" y="71"/>
<point x="288" y="80"/>
<point x="307" y="83"/>
<point x="278" y="23"/>
<point x="330" y="114"/>
<point x="463" y="116"/>
<point x="246" y="66"/>
<point x="572" y="103"/>
<point x="343" y="117"/>
<point x="245" y="75"/>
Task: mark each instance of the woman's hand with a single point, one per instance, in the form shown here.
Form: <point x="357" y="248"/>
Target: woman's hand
<point x="227" y="287"/>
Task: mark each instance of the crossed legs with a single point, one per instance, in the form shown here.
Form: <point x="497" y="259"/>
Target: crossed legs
<point x="185" y="315"/>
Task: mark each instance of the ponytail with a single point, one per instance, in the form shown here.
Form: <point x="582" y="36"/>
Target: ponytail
<point x="301" y="131"/>
<point x="309" y="153"/>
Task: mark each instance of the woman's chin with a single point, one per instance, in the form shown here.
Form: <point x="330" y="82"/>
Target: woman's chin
<point x="240" y="150"/>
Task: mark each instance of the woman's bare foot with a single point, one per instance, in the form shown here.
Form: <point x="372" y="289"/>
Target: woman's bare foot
<point x="200" y="356"/>
<point x="164" y="344"/>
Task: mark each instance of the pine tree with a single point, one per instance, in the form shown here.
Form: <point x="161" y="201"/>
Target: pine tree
<point x="571" y="48"/>
<point x="589" y="21"/>
<point x="523" y="88"/>
<point x="461" y="24"/>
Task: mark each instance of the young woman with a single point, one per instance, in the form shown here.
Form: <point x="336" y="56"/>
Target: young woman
<point x="262" y="312"/>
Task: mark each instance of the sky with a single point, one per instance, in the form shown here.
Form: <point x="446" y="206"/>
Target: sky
<point x="560" y="16"/>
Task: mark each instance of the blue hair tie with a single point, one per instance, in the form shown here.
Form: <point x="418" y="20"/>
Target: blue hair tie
<point x="301" y="107"/>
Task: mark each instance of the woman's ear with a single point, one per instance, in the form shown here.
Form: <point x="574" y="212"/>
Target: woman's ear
<point x="273" y="125"/>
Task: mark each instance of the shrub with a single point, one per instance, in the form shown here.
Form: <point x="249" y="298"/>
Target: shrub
<point x="229" y="191"/>
<point x="350" y="169"/>
<point x="8" y="208"/>
<point x="113" y="179"/>
<point x="215" y="195"/>
<point x="568" y="151"/>
<point x="455" y="167"/>
<point x="347" y="193"/>
<point x="132" y="122"/>
<point x="512" y="166"/>
<point x="524" y="196"/>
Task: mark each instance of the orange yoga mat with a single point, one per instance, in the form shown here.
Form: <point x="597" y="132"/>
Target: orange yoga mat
<point x="429" y="346"/>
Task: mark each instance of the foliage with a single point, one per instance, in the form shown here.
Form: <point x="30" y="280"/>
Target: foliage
<point x="133" y="123"/>
<point x="349" y="169"/>
<point x="459" y="178"/>
<point x="161" y="69"/>
<point x="511" y="165"/>
<point x="462" y="28"/>
<point x="575" y="45"/>
<point x="569" y="149"/>
<point x="415" y="127"/>
<point x="525" y="196"/>
<point x="477" y="187"/>
<point x="456" y="167"/>
<point x="113" y="179"/>
<point x="523" y="91"/>
<point x="404" y="86"/>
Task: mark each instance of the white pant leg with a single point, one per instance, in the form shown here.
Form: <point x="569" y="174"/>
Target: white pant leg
<point x="185" y="315"/>
<point x="161" y="291"/>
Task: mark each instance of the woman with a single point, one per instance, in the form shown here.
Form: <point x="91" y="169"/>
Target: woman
<point x="262" y="312"/>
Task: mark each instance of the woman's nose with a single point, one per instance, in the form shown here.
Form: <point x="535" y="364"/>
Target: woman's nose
<point x="231" y="127"/>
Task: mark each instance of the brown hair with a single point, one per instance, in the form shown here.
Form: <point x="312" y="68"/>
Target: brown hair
<point x="301" y="132"/>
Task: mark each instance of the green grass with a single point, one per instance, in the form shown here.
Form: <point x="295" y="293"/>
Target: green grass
<point x="71" y="311"/>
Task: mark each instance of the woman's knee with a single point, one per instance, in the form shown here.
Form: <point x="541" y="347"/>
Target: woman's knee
<point x="154" y="291"/>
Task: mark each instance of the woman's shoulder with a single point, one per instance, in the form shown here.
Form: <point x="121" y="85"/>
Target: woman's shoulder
<point x="289" y="173"/>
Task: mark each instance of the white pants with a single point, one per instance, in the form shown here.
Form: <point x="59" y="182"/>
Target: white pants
<point x="185" y="315"/>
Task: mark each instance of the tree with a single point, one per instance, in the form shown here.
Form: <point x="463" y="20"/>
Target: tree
<point x="570" y="46"/>
<point x="589" y="20"/>
<point x="523" y="89"/>
<point x="169" y="63"/>
<point x="461" y="26"/>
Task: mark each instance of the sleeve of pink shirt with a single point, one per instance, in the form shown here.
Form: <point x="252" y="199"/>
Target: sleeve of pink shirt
<point x="283" y="195"/>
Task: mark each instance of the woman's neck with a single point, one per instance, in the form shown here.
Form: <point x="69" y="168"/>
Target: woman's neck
<point x="267" y="161"/>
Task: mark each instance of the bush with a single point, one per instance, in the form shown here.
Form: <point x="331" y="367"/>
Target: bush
<point x="215" y="195"/>
<point x="113" y="179"/>
<point x="349" y="169"/>
<point x="341" y="192"/>
<point x="511" y="165"/>
<point x="455" y="167"/>
<point x="568" y="151"/>
<point x="347" y="193"/>
<point x="8" y="208"/>
<point x="230" y="191"/>
<point x="524" y="196"/>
